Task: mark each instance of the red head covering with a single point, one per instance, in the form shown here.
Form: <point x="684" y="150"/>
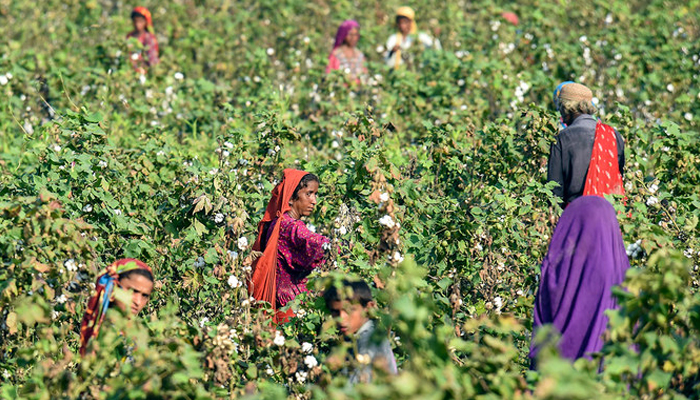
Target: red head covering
<point x="100" y="300"/>
<point x="511" y="17"/>
<point x="262" y="285"/>
<point x="146" y="14"/>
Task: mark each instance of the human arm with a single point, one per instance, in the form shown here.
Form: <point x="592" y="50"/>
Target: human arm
<point x="620" y="152"/>
<point x="555" y="171"/>
<point x="309" y="248"/>
<point x="152" y="49"/>
<point x="333" y="63"/>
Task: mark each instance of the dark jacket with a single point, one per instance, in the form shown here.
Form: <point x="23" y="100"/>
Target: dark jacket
<point x="570" y="156"/>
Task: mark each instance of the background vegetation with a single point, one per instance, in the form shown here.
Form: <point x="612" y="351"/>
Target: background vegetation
<point x="175" y="168"/>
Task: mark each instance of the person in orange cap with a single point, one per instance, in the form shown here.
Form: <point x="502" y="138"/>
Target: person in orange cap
<point x="143" y="32"/>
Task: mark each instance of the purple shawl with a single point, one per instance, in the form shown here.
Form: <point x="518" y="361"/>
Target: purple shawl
<point x="586" y="258"/>
<point x="343" y="31"/>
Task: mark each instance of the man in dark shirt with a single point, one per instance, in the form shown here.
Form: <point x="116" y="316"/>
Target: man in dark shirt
<point x="570" y="156"/>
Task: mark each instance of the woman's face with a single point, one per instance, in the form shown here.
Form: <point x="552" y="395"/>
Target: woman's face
<point x="404" y="25"/>
<point x="140" y="288"/>
<point x="353" y="37"/>
<point x="306" y="200"/>
<point x="139" y="23"/>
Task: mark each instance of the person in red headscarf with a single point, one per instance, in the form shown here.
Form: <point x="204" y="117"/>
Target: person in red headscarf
<point x="345" y="56"/>
<point x="290" y="251"/>
<point x="143" y="26"/>
<point x="128" y="274"/>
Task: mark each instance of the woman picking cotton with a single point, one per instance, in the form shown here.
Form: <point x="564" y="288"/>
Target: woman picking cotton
<point x="586" y="259"/>
<point x="588" y="157"/>
<point x="128" y="274"/>
<point x="143" y="24"/>
<point x="406" y="37"/>
<point x="290" y="251"/>
<point x="345" y="56"/>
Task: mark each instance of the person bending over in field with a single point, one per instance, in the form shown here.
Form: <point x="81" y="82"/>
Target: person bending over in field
<point x="350" y="305"/>
<point x="345" y="56"/>
<point x="586" y="258"/>
<point x="290" y="251"/>
<point x="143" y="26"/>
<point x="128" y="274"/>
<point x="588" y="156"/>
<point x="406" y="37"/>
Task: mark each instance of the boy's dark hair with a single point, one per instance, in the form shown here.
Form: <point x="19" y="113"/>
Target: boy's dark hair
<point x="308" y="178"/>
<point x="143" y="272"/>
<point x="135" y="14"/>
<point x="361" y="292"/>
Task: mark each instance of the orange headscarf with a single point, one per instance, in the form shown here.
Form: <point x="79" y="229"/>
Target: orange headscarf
<point x="146" y="14"/>
<point x="262" y="285"/>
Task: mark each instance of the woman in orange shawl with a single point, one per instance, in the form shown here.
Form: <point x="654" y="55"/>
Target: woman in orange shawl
<point x="290" y="250"/>
<point x="143" y="26"/>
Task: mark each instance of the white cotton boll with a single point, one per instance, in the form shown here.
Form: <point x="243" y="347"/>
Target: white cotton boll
<point x="498" y="302"/>
<point x="311" y="227"/>
<point x="8" y="75"/>
<point x="233" y="282"/>
<point x="583" y="38"/>
<point x="279" y="339"/>
<point x="307" y="347"/>
<point x="70" y="265"/>
<point x="134" y="56"/>
<point x="179" y="76"/>
<point x="199" y="262"/>
<point x="242" y="243"/>
<point x="142" y="79"/>
<point x="342" y="230"/>
<point x="460" y="82"/>
<point x="387" y="221"/>
<point x="269" y="371"/>
<point x="688" y="116"/>
<point x="203" y="321"/>
<point x="653" y="188"/>
<point x="169" y="91"/>
<point x="87" y="208"/>
<point x="335" y="144"/>
<point x="219" y="218"/>
<point x="213" y="171"/>
<point x="670" y="87"/>
<point x="384" y="197"/>
<point x="380" y="49"/>
<point x="301" y="376"/>
<point x="652" y="200"/>
<point x="61" y="299"/>
<point x="228" y="145"/>
<point x="398" y="257"/>
<point x="270" y="51"/>
<point x="310" y="361"/>
<point x="28" y="127"/>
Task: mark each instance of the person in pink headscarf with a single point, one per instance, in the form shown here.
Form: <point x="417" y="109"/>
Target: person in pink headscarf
<point x="345" y="56"/>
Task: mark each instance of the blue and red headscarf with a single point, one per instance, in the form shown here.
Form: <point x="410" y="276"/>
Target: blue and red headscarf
<point x="102" y="297"/>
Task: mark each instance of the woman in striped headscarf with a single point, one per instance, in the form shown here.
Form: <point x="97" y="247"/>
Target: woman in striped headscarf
<point x="588" y="157"/>
<point x="128" y="274"/>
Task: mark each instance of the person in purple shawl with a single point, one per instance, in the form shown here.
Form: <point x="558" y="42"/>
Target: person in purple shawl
<point x="345" y="56"/>
<point x="586" y="258"/>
